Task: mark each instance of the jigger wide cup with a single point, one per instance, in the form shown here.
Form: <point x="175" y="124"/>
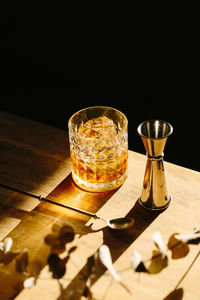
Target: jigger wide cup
<point x="154" y="134"/>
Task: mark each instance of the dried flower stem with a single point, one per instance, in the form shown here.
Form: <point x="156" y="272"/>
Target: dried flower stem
<point x="187" y="271"/>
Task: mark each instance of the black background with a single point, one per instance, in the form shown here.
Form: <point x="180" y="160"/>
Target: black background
<point x="142" y="58"/>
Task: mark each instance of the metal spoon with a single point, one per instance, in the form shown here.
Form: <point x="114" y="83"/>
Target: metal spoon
<point x="119" y="223"/>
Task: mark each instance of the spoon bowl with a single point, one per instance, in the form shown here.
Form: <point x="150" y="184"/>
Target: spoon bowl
<point x="120" y="223"/>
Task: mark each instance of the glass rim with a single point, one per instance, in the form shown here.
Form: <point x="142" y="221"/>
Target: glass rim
<point x="101" y="107"/>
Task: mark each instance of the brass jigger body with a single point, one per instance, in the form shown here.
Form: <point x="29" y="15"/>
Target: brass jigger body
<point x="154" y="134"/>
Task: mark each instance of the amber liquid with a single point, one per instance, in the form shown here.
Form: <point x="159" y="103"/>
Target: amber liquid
<point x="100" y="172"/>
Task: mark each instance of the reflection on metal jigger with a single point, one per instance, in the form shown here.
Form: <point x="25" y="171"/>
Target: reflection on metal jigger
<point x="154" y="134"/>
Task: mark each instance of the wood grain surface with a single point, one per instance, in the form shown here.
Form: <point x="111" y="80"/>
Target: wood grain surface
<point x="35" y="157"/>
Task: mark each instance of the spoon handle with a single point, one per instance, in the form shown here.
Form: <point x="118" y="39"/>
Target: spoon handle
<point x="82" y="211"/>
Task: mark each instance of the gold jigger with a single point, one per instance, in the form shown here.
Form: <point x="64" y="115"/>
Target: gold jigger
<point x="154" y="134"/>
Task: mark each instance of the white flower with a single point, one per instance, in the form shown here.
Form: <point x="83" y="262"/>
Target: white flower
<point x="136" y="259"/>
<point x="29" y="282"/>
<point x="184" y="238"/>
<point x="105" y="258"/>
<point x="157" y="237"/>
<point x="6" y="245"/>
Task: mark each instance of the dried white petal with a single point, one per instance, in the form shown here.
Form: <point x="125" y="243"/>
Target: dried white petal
<point x="157" y="237"/>
<point x="29" y="282"/>
<point x="184" y="238"/>
<point x="1" y="246"/>
<point x="196" y="230"/>
<point x="7" y="244"/>
<point x="105" y="258"/>
<point x="136" y="259"/>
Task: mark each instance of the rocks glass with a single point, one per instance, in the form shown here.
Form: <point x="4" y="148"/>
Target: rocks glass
<point x="99" y="148"/>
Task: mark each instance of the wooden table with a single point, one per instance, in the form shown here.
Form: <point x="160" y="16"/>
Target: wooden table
<point x="35" y="157"/>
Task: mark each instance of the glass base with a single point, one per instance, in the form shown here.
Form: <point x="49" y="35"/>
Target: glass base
<point x="99" y="187"/>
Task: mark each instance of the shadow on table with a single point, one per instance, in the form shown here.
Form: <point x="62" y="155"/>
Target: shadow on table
<point x="68" y="193"/>
<point x="177" y="294"/>
<point x="117" y="241"/>
<point x="143" y="218"/>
